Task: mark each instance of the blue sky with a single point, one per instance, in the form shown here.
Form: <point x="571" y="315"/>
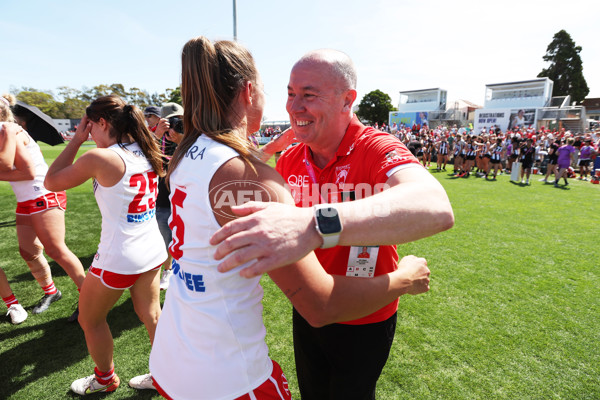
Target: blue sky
<point x="459" y="45"/>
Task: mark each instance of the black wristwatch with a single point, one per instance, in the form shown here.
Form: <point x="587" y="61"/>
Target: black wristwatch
<point x="328" y="224"/>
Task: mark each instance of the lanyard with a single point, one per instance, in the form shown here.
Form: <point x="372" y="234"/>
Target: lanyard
<point x="311" y="172"/>
<point x="162" y="148"/>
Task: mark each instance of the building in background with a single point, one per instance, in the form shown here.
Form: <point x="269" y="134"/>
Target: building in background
<point x="63" y="125"/>
<point x="508" y="105"/>
<point x="526" y="104"/>
<point x="415" y="107"/>
<point x="430" y="106"/>
<point x="592" y="111"/>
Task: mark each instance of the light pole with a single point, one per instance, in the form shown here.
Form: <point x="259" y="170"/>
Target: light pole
<point x="234" y="21"/>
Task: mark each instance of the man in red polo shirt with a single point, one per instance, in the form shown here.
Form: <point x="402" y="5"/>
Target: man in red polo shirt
<point x="353" y="187"/>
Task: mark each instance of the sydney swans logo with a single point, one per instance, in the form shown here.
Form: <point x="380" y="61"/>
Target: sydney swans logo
<point x="237" y="192"/>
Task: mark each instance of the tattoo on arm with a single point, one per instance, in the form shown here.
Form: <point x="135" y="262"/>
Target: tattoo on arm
<point x="291" y="293"/>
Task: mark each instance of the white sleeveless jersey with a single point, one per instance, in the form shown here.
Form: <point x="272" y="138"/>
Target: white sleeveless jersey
<point x="209" y="342"/>
<point x="130" y="242"/>
<point x="29" y="190"/>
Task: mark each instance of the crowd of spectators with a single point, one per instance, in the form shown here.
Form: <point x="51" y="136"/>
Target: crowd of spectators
<point x="268" y="131"/>
<point x="492" y="151"/>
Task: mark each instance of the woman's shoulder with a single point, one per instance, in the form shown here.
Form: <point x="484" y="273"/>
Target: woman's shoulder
<point x="244" y="182"/>
<point x="238" y="170"/>
<point x="24" y="138"/>
<point x="100" y="157"/>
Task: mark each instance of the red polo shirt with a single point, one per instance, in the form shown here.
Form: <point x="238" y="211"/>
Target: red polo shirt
<point x="359" y="169"/>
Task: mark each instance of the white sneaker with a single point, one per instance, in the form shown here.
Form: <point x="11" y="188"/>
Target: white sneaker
<point x="164" y="279"/>
<point x="142" y="382"/>
<point x="89" y="385"/>
<point x="17" y="314"/>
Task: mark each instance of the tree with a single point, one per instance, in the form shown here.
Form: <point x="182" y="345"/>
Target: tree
<point x="174" y="95"/>
<point x="157" y="99"/>
<point x="42" y="100"/>
<point x="138" y="97"/>
<point x="118" y="89"/>
<point x="74" y="101"/>
<point x="99" y="91"/>
<point x="565" y="69"/>
<point x="375" y="107"/>
<point x="66" y="92"/>
<point x="73" y="108"/>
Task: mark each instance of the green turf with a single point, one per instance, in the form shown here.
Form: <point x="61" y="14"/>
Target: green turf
<point x="512" y="312"/>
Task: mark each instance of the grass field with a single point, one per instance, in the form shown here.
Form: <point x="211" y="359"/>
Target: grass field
<point x="512" y="312"/>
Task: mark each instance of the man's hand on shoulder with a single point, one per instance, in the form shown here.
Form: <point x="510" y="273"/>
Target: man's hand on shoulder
<point x="273" y="234"/>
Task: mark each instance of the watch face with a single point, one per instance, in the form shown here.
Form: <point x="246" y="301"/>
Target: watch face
<point x="328" y="221"/>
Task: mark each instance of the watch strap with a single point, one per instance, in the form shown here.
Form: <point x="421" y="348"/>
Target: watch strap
<point x="330" y="240"/>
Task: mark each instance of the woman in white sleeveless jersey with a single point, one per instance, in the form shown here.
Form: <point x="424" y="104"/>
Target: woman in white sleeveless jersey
<point x="209" y="341"/>
<point x="40" y="213"/>
<point x="125" y="168"/>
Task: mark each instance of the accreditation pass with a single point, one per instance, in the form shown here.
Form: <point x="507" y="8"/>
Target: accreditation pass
<point x="362" y="261"/>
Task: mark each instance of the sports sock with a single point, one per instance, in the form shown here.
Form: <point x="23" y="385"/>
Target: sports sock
<point x="10" y="300"/>
<point x="104" y="378"/>
<point x="50" y="289"/>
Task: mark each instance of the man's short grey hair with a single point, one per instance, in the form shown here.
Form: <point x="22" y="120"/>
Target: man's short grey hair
<point x="339" y="63"/>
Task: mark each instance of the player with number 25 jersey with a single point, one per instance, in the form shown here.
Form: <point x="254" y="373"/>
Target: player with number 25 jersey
<point x="125" y="166"/>
<point x="130" y="242"/>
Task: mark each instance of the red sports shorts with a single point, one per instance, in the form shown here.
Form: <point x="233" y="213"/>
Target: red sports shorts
<point x="112" y="280"/>
<point x="43" y="203"/>
<point x="274" y="388"/>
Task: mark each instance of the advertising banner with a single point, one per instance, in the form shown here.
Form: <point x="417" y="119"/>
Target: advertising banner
<point x="503" y="118"/>
<point x="409" y="118"/>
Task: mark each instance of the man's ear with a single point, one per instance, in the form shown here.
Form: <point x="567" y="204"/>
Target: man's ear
<point x="349" y="99"/>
